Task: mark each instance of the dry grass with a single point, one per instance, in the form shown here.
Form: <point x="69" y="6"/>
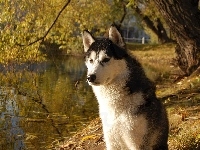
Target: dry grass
<point x="157" y="60"/>
<point x="184" y="128"/>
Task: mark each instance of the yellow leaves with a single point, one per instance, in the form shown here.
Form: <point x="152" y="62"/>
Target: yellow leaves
<point x="198" y="136"/>
<point x="89" y="137"/>
<point x="35" y="17"/>
<point x="30" y="136"/>
<point x="17" y="55"/>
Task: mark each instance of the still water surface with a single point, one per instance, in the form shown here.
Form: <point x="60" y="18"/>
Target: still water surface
<point x="42" y="104"/>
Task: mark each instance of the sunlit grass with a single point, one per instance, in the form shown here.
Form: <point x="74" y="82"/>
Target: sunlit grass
<point x="157" y="60"/>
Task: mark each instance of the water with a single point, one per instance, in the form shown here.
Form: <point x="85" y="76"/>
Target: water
<point x="43" y="104"/>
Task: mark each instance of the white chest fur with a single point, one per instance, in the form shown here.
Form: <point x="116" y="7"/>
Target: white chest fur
<point x="122" y="128"/>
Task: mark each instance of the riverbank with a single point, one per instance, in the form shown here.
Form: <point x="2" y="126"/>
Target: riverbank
<point x="181" y="98"/>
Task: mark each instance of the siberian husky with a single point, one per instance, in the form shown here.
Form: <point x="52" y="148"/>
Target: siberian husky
<point x="132" y="117"/>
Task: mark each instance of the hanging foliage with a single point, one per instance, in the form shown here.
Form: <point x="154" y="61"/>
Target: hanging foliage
<point x="23" y="22"/>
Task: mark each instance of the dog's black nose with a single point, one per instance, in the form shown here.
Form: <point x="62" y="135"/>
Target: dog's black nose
<point x="91" y="78"/>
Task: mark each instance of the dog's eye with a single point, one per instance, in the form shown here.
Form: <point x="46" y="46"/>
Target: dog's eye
<point x="105" y="60"/>
<point x="91" y="60"/>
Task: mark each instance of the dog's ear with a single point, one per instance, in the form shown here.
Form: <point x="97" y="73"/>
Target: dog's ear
<point x="116" y="37"/>
<point x="87" y="40"/>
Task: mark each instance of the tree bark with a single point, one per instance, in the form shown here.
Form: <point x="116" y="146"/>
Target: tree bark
<point x="183" y="18"/>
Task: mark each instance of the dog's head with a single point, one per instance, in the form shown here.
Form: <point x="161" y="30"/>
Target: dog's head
<point x="104" y="57"/>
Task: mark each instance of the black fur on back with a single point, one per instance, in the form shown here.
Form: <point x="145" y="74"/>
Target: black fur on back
<point x="138" y="82"/>
<point x="152" y="108"/>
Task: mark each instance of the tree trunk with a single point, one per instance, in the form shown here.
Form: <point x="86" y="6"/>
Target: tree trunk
<point x="159" y="30"/>
<point x="183" y="18"/>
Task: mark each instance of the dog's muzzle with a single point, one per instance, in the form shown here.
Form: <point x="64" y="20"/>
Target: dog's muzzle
<point x="91" y="78"/>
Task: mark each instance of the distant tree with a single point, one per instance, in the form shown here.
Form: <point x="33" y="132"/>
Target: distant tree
<point x="150" y="18"/>
<point x="155" y="26"/>
<point x="183" y="18"/>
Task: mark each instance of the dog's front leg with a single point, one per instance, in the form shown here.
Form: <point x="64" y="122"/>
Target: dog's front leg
<point x="111" y="143"/>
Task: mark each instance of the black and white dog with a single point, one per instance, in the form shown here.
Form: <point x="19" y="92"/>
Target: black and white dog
<point x="132" y="117"/>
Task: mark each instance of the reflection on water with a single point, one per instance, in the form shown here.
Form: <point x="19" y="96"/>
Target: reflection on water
<point x="40" y="104"/>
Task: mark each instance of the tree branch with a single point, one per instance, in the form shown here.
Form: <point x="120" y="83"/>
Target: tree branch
<point x="124" y="14"/>
<point x="54" y="22"/>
